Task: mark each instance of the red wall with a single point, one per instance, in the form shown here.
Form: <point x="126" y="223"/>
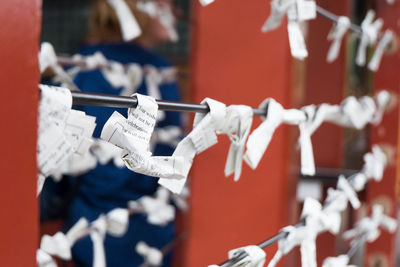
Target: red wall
<point x="233" y="62"/>
<point x="19" y="78"/>
<point x="383" y="251"/>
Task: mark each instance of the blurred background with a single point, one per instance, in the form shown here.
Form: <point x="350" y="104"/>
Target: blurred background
<point x="222" y="54"/>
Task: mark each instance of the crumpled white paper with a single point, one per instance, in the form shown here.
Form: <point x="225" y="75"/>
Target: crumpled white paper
<point x="374" y="166"/>
<point x="370" y="30"/>
<point x="64" y="135"/>
<point x="130" y="28"/>
<point x="199" y="139"/>
<point x="385" y="41"/>
<point x="236" y="125"/>
<point x="336" y="36"/>
<point x="158" y="209"/>
<point x="60" y="244"/>
<point x="339" y="261"/>
<point x="369" y="226"/>
<point x="296" y="11"/>
<point x="151" y="255"/>
<point x="260" y="138"/>
<point x="48" y="59"/>
<point x="44" y="260"/>
<point x="133" y="135"/>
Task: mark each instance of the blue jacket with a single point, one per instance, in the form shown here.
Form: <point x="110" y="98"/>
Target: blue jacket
<point x="107" y="187"/>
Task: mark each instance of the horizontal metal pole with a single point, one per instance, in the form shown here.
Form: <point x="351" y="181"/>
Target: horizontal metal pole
<point x="329" y="15"/>
<point x="94" y="99"/>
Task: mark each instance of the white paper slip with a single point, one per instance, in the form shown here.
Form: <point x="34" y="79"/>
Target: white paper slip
<point x="296" y="40"/>
<point x="199" y="139"/>
<point x="129" y="26"/>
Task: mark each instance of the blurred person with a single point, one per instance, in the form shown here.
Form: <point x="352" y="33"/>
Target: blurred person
<point x="107" y="186"/>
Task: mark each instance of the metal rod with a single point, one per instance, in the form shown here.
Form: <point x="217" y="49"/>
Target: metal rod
<point x="329" y="15"/>
<point x="270" y="241"/>
<point x="358" y="244"/>
<point x="94" y="99"/>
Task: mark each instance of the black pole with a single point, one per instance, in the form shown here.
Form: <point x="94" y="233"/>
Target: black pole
<point x="94" y="99"/>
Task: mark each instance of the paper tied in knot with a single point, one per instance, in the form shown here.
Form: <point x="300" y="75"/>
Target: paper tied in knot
<point x="133" y="135"/>
<point x="339" y="261"/>
<point x="44" y="260"/>
<point x="260" y="138"/>
<point x="318" y="220"/>
<point x="236" y="125"/>
<point x="306" y="149"/>
<point x="60" y="244"/>
<point x="295" y="236"/>
<point x="255" y="256"/>
<point x="383" y="44"/>
<point x="382" y="100"/>
<point x="202" y="137"/>
<point x="374" y="163"/>
<point x="370" y="30"/>
<point x="53" y="146"/>
<point x="206" y="2"/>
<point x="357" y="113"/>
<point x="157" y="209"/>
<point x="163" y="14"/>
<point x="152" y="256"/>
<point x="98" y="231"/>
<point x="369" y="227"/>
<point x="117" y="222"/>
<point x="48" y="59"/>
<point x="336" y="36"/>
<point x="130" y="28"/>
<point x="279" y="8"/>
<point x="348" y="190"/>
<point x="337" y="199"/>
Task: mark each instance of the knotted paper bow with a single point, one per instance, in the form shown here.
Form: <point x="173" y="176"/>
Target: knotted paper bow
<point x="236" y="125"/>
<point x="158" y="209"/>
<point x="44" y="260"/>
<point x="255" y="257"/>
<point x="152" y="256"/>
<point x="339" y="261"/>
<point x="369" y="226"/>
<point x="369" y="35"/>
<point x="133" y="134"/>
<point x="60" y="244"/>
<point x="336" y="36"/>
<point x="199" y="139"/>
<point x="260" y="138"/>
<point x="385" y="41"/>
<point x="114" y="223"/>
<point x="48" y="59"/>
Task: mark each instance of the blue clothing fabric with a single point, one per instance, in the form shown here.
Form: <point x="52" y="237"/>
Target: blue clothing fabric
<point x="108" y="187"/>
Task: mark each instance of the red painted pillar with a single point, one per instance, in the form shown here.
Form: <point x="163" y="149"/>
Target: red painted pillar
<point x="19" y="78"/>
<point x="233" y="62"/>
<point x="382" y="252"/>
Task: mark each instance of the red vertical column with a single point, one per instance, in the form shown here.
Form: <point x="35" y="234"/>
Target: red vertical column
<point x="233" y="62"/>
<point x="19" y="78"/>
<point x="383" y="251"/>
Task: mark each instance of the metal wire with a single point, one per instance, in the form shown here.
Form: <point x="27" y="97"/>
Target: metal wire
<point x="281" y="235"/>
<point x="94" y="99"/>
<point x="329" y="15"/>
